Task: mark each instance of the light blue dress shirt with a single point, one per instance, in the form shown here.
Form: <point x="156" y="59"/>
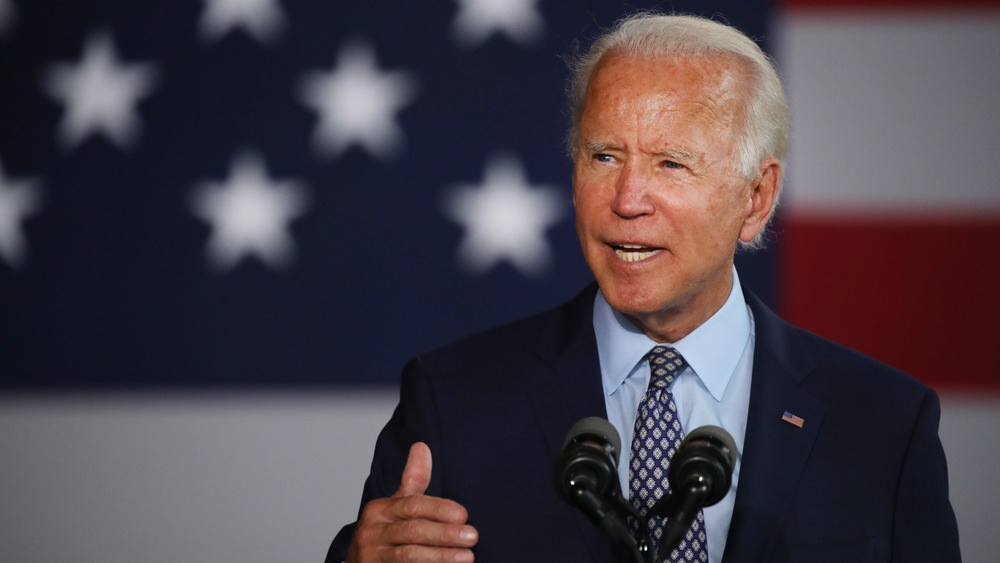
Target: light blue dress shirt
<point x="714" y="387"/>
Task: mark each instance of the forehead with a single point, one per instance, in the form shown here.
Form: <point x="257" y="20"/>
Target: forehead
<point x="630" y="85"/>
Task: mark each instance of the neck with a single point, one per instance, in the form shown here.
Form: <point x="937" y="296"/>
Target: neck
<point x="670" y="324"/>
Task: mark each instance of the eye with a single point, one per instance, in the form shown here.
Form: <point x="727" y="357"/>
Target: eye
<point x="671" y="164"/>
<point x="601" y="157"/>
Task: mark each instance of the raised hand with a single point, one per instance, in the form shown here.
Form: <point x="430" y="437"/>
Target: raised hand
<point x="411" y="527"/>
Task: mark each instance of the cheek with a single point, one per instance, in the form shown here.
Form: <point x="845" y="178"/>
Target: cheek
<point x="587" y="198"/>
<point x="583" y="208"/>
<point x="585" y="221"/>
<point x="729" y="206"/>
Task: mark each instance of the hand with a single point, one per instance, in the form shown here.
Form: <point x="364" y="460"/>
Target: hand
<point x="412" y="527"/>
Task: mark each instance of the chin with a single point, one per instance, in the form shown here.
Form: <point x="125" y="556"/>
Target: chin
<point x="632" y="298"/>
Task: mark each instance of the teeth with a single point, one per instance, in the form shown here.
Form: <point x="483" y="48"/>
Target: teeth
<point x="627" y="253"/>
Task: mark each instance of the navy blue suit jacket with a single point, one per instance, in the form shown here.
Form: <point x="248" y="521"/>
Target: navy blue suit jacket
<point x="863" y="479"/>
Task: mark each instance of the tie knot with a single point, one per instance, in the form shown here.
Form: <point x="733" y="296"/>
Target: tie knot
<point x="664" y="364"/>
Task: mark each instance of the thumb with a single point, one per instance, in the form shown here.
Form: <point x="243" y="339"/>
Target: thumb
<point x="417" y="473"/>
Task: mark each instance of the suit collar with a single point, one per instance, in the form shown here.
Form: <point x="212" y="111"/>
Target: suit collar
<point x="775" y="451"/>
<point x="571" y="390"/>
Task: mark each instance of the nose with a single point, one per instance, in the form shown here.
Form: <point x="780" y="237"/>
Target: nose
<point x="632" y="193"/>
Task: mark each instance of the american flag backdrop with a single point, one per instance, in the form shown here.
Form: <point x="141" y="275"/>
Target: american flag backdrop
<point x="257" y="192"/>
<point x="226" y="224"/>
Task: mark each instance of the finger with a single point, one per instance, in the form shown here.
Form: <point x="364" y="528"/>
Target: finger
<point x="429" y="533"/>
<point x="419" y="507"/>
<point x="387" y="537"/>
<point x="417" y="473"/>
<point x="431" y="554"/>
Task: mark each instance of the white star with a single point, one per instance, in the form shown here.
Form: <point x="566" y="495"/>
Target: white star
<point x="100" y="94"/>
<point x="357" y="103"/>
<point x="263" y="19"/>
<point x="504" y="219"/>
<point x="478" y="19"/>
<point x="8" y="15"/>
<point x="249" y="214"/>
<point x="19" y="199"/>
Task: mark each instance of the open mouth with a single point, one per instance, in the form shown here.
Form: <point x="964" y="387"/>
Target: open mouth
<point x="634" y="252"/>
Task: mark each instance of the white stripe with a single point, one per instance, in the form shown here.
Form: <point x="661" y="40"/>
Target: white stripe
<point x="220" y="477"/>
<point x="893" y="114"/>
<point x="970" y="424"/>
<point x="232" y="477"/>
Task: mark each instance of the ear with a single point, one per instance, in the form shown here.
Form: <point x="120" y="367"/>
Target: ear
<point x="761" y="201"/>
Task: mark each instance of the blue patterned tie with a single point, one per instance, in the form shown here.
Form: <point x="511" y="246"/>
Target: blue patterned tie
<point x="656" y="437"/>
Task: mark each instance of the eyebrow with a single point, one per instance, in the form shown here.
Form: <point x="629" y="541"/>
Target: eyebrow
<point x="594" y="146"/>
<point x="676" y="153"/>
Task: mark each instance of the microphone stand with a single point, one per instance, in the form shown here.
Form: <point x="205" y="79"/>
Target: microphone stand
<point x="586" y="476"/>
<point x="610" y="515"/>
<point x="678" y="512"/>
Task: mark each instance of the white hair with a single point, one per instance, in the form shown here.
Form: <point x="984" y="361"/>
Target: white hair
<point x="763" y="127"/>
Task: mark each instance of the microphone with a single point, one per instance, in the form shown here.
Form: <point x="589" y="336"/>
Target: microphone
<point x="706" y="455"/>
<point x="700" y="475"/>
<point x="588" y="459"/>
<point x="586" y="475"/>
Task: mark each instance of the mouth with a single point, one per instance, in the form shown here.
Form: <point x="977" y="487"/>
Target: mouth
<point x="634" y="252"/>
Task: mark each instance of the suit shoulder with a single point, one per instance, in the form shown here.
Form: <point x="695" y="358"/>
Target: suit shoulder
<point x="827" y="363"/>
<point x="518" y="341"/>
<point x="857" y="368"/>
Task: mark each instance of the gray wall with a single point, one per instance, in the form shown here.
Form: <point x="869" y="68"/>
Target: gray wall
<point x="246" y="478"/>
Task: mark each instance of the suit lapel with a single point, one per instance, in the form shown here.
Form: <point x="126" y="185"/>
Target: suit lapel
<point x="569" y="390"/>
<point x="775" y="450"/>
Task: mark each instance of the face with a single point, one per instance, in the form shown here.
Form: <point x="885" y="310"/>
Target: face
<point x="659" y="207"/>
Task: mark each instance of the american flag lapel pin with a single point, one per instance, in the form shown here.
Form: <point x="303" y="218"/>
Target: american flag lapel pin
<point x="793" y="419"/>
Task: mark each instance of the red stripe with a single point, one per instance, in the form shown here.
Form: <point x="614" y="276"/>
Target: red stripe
<point x="900" y="291"/>
<point x="923" y="5"/>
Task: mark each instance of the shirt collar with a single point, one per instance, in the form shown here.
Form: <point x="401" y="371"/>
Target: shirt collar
<point x="712" y="350"/>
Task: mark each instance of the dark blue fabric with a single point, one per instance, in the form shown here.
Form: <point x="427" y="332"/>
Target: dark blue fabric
<point x="863" y="479"/>
<point x="115" y="290"/>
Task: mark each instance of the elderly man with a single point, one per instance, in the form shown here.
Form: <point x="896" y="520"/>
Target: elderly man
<point x="679" y="134"/>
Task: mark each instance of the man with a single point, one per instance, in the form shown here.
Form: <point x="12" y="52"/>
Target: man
<point x="679" y="134"/>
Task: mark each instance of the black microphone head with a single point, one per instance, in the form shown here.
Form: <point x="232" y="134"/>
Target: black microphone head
<point x="588" y="459"/>
<point x="707" y="453"/>
<point x="596" y="428"/>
